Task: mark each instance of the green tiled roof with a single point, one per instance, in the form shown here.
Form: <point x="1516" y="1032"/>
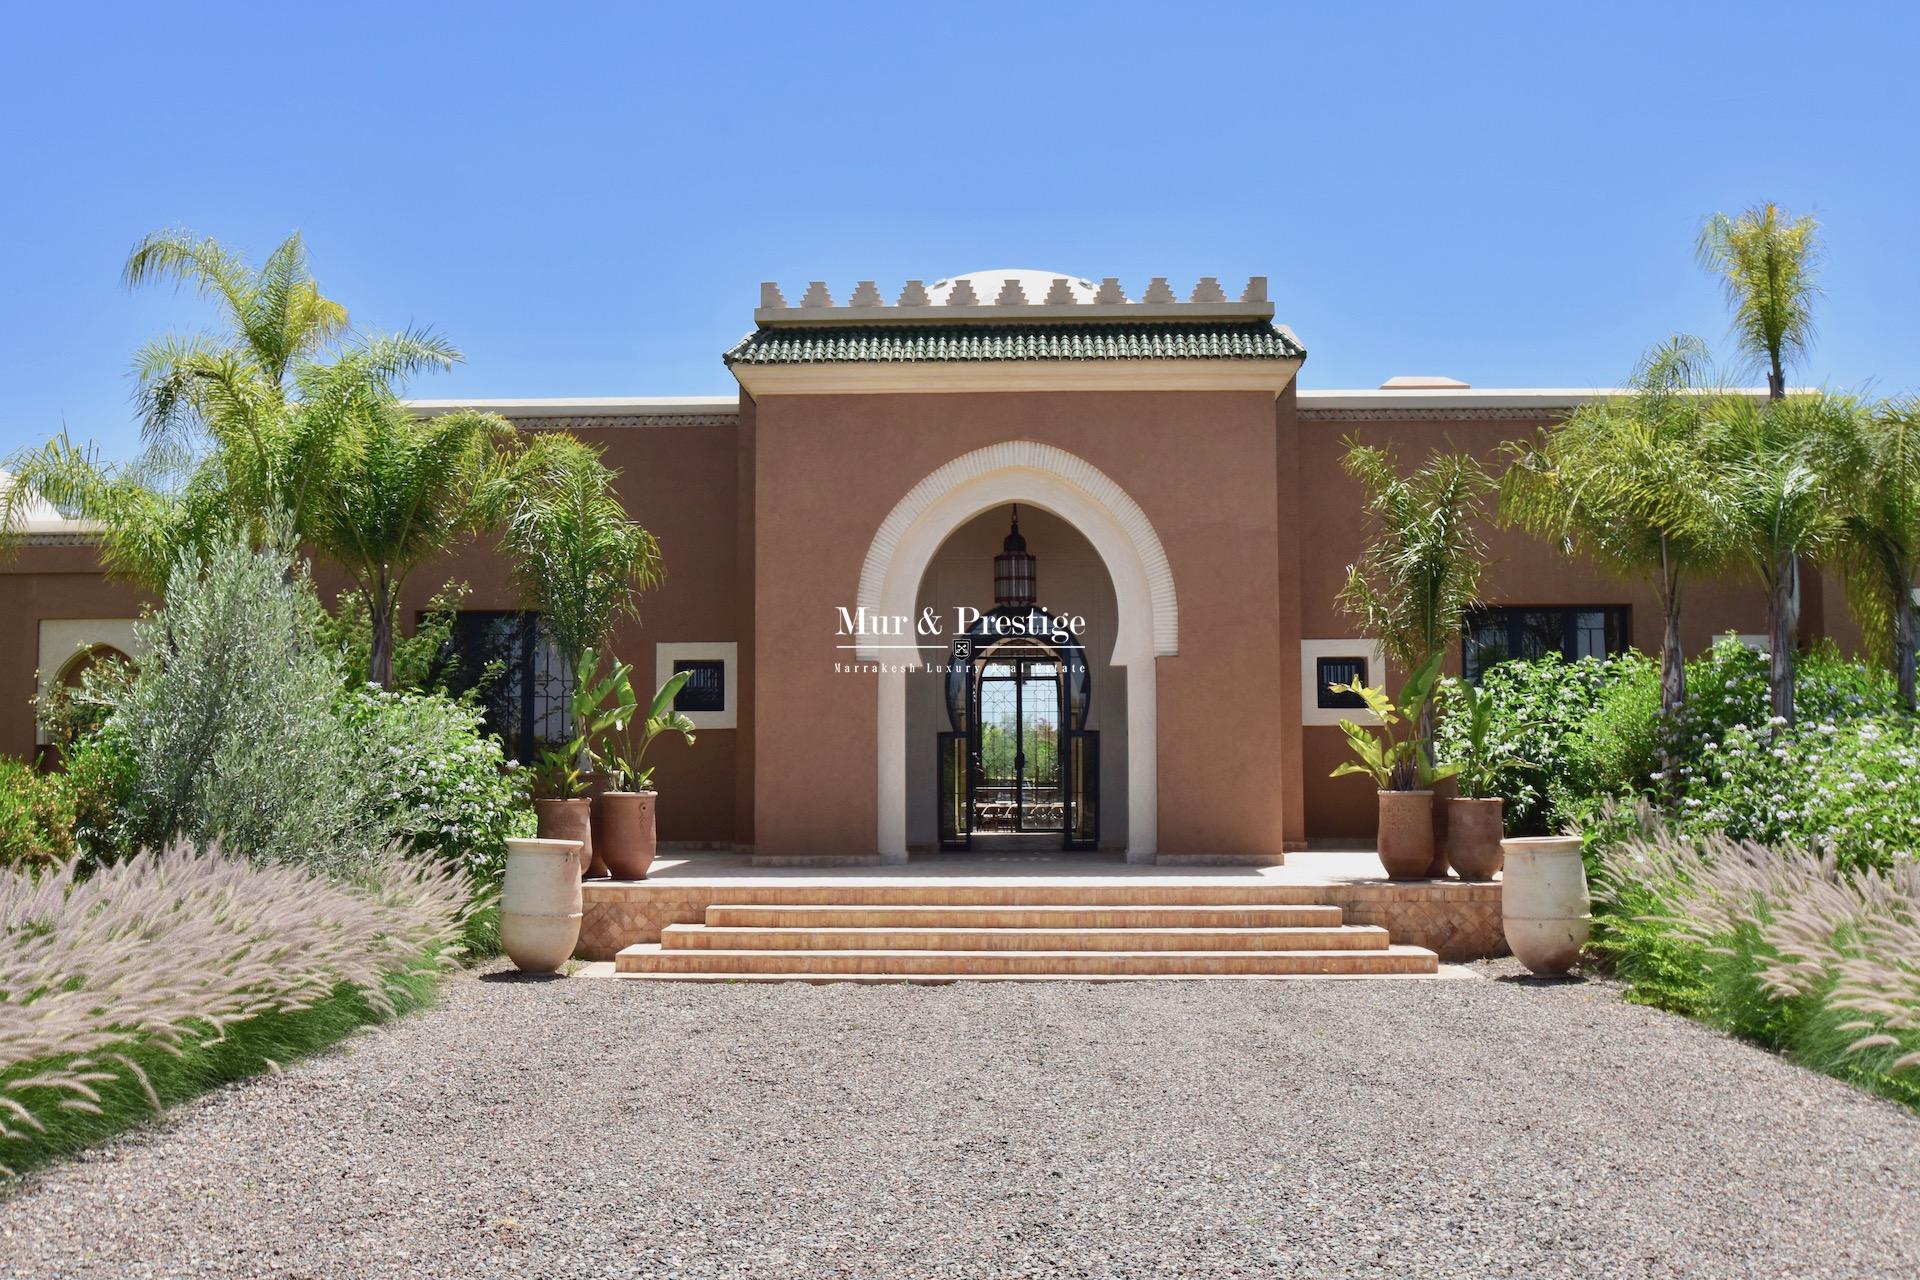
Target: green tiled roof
<point x="844" y="344"/>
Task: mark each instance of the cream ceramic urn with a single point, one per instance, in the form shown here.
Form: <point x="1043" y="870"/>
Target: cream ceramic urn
<point x="1543" y="901"/>
<point x="540" y="904"/>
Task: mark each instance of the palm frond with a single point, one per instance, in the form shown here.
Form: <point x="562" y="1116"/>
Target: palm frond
<point x="1768" y="264"/>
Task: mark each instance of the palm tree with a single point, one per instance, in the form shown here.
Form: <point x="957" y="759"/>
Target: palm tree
<point x="1879" y="536"/>
<point x="1767" y="261"/>
<point x="579" y="560"/>
<point x="1770" y="468"/>
<point x="1619" y="481"/>
<point x="145" y="523"/>
<point x="225" y="447"/>
<point x="1420" y="570"/>
<point x="395" y="487"/>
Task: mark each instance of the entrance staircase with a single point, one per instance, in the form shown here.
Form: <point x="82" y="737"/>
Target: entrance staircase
<point x="1012" y="932"/>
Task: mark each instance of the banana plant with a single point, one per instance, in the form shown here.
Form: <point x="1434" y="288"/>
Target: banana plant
<point x="603" y="705"/>
<point x="1479" y="769"/>
<point x="630" y="743"/>
<point x="1396" y="758"/>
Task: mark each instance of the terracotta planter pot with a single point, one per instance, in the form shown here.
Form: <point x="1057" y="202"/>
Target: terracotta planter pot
<point x="1406" y="833"/>
<point x="1544" y="903"/>
<point x="568" y="820"/>
<point x="1474" y="830"/>
<point x="540" y="904"/>
<point x="1443" y="793"/>
<point x="595" y="787"/>
<point x="624" y="832"/>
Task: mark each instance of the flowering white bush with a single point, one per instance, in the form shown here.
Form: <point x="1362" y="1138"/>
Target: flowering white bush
<point x="1840" y="782"/>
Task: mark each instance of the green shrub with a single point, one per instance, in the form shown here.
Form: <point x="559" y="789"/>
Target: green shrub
<point x="1539" y="705"/>
<point x="232" y="727"/>
<point x="36" y="817"/>
<point x="1616" y="750"/>
<point x="443" y="783"/>
<point x="100" y="777"/>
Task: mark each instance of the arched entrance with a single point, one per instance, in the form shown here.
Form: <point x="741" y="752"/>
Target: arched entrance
<point x="1146" y="611"/>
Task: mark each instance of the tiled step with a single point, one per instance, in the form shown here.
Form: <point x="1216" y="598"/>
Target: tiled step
<point x="824" y="963"/>
<point x="942" y="979"/>
<point x="1340" y="937"/>
<point x="952" y="916"/>
<point x="1190" y="891"/>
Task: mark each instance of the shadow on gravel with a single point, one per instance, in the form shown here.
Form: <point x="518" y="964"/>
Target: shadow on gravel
<point x="514" y="975"/>
<point x="1539" y="980"/>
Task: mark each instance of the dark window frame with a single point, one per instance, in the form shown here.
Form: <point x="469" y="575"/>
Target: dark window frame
<point x="717" y="687"/>
<point x="534" y="686"/>
<point x="1617" y="628"/>
<point x="1327" y="699"/>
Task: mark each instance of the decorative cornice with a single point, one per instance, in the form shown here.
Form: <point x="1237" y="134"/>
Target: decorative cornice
<point x="1541" y="413"/>
<point x="915" y="305"/>
<point x="78" y="538"/>
<point x="624" y="421"/>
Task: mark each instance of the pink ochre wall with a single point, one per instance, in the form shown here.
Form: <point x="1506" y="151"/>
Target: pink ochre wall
<point x="828" y="470"/>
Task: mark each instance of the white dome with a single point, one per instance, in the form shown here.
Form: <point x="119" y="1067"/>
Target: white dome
<point x="1035" y="284"/>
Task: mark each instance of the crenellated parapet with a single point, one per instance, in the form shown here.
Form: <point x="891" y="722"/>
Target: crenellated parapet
<point x="1013" y="295"/>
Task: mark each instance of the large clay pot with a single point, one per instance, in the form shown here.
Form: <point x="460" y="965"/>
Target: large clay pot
<point x="1406" y="833"/>
<point x="1474" y="830"/>
<point x="540" y="904"/>
<point x="624" y="834"/>
<point x="568" y="820"/>
<point x="595" y="787"/>
<point x="1443" y="792"/>
<point x="1544" y="902"/>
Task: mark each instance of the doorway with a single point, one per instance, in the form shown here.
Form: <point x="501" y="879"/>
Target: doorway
<point x="1019" y="708"/>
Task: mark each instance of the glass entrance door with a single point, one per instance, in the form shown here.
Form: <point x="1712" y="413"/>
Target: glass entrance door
<point x="1017" y="782"/>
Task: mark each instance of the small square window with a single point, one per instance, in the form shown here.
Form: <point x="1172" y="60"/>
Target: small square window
<point x="706" y="687"/>
<point x="1332" y="671"/>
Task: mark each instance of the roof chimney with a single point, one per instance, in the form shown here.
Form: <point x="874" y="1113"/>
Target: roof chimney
<point x="1421" y="382"/>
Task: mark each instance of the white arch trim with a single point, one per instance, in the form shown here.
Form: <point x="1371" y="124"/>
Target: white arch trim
<point x="1128" y="521"/>
<point x="1147" y="608"/>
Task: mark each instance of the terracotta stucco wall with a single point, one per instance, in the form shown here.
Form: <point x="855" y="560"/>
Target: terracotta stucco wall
<point x="38" y="583"/>
<point x="1522" y="570"/>
<point x="765" y="525"/>
<point x="681" y="482"/>
<point x="830" y="468"/>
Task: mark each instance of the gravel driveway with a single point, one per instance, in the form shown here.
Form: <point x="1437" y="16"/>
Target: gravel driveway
<point x="594" y="1128"/>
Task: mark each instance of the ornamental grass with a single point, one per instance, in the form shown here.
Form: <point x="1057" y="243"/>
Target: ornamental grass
<point x="1781" y="946"/>
<point x="154" y="978"/>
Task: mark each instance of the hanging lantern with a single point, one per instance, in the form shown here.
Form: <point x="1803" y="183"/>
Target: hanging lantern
<point x="1014" y="577"/>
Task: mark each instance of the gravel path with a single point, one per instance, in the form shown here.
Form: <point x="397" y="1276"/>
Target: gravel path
<point x="593" y="1128"/>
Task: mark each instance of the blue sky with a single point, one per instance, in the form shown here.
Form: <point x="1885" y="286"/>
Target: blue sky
<point x="585" y="201"/>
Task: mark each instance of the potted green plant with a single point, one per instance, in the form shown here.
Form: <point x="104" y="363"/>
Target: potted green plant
<point x="1401" y="767"/>
<point x="560" y="805"/>
<point x="628" y="807"/>
<point x="1476" y="818"/>
<point x="565" y="776"/>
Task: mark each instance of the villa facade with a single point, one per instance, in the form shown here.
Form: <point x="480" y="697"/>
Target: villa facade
<point x="1014" y="561"/>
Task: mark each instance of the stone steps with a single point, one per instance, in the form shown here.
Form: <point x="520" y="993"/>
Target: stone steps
<point x="656" y="958"/>
<point x="954" y="916"/>
<point x="942" y="979"/>
<point x="1091" y="892"/>
<point x="1339" y="937"/>
<point x="1012" y="931"/>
